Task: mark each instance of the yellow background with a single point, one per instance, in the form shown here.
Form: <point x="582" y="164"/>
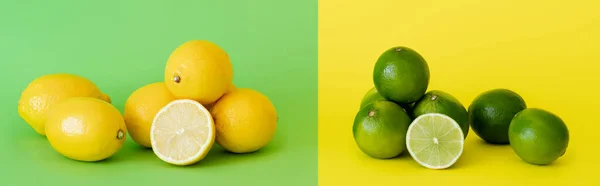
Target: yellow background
<point x="546" y="51"/>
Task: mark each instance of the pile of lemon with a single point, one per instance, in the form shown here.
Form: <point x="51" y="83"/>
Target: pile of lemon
<point x="180" y="118"/>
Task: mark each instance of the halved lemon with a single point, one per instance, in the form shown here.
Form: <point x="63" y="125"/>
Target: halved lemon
<point x="182" y="132"/>
<point x="435" y="140"/>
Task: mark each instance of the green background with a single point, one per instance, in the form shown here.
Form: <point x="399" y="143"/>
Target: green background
<point x="123" y="45"/>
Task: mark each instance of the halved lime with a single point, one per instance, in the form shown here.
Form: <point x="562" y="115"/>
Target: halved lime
<point x="435" y="140"/>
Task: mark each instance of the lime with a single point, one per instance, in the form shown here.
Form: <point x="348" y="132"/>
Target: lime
<point x="371" y="96"/>
<point x="537" y="136"/>
<point x="380" y="129"/>
<point x="401" y="75"/>
<point x="490" y="114"/>
<point x="435" y="140"/>
<point x="437" y="101"/>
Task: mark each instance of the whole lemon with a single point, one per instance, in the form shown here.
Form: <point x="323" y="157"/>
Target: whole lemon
<point x="44" y="92"/>
<point x="198" y="70"/>
<point x="230" y="88"/>
<point x="85" y="129"/>
<point x="245" y="120"/>
<point x="140" y="109"/>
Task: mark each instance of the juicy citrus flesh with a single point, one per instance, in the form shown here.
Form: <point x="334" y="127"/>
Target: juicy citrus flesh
<point x="491" y="112"/>
<point x="140" y="109"/>
<point x="379" y="129"/>
<point x="435" y="141"/>
<point x="245" y="120"/>
<point x="199" y="70"/>
<point x="44" y="92"/>
<point x="401" y="75"/>
<point x="182" y="132"/>
<point x="437" y="101"/>
<point x="85" y="129"/>
<point x="538" y="136"/>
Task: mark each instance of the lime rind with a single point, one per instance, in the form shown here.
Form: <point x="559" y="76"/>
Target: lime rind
<point x="435" y="141"/>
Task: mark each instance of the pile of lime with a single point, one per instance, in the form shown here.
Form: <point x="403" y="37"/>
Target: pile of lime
<point x="180" y="118"/>
<point x="399" y="115"/>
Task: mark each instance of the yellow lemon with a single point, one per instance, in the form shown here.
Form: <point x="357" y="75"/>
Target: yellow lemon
<point x="44" y="92"/>
<point x="182" y="132"/>
<point x="245" y="120"/>
<point x="230" y="88"/>
<point x="85" y="129"/>
<point x="198" y="70"/>
<point x="140" y="109"/>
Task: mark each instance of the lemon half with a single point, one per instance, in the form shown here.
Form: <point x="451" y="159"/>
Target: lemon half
<point x="182" y="132"/>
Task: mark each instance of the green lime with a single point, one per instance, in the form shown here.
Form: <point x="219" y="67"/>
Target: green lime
<point x="435" y="140"/>
<point x="436" y="101"/>
<point x="538" y="137"/>
<point x="401" y="75"/>
<point x="380" y="129"/>
<point x="371" y="96"/>
<point x="490" y="114"/>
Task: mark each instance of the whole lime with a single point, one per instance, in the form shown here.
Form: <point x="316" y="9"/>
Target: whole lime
<point x="380" y="128"/>
<point x="437" y="101"/>
<point x="371" y="96"/>
<point x="538" y="136"/>
<point x="401" y="75"/>
<point x="491" y="112"/>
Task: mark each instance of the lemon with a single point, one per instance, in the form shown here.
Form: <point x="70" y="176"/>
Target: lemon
<point x="44" y="92"/>
<point x="435" y="140"/>
<point x="182" y="132"/>
<point x="140" y="109"/>
<point x="245" y="120"/>
<point x="198" y="70"/>
<point x="85" y="129"/>
<point x="230" y="88"/>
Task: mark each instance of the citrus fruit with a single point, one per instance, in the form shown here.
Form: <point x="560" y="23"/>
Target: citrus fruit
<point x="401" y="75"/>
<point x="245" y="119"/>
<point x="182" y="132"/>
<point x="490" y="114"/>
<point x="437" y="101"/>
<point x="379" y="129"/>
<point x="538" y="136"/>
<point x="85" y="129"/>
<point x="44" y="92"/>
<point x="435" y="140"/>
<point x="371" y="96"/>
<point x="198" y="70"/>
<point x="140" y="109"/>
<point x="230" y="88"/>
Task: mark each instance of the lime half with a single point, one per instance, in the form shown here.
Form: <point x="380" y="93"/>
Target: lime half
<point x="435" y="140"/>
